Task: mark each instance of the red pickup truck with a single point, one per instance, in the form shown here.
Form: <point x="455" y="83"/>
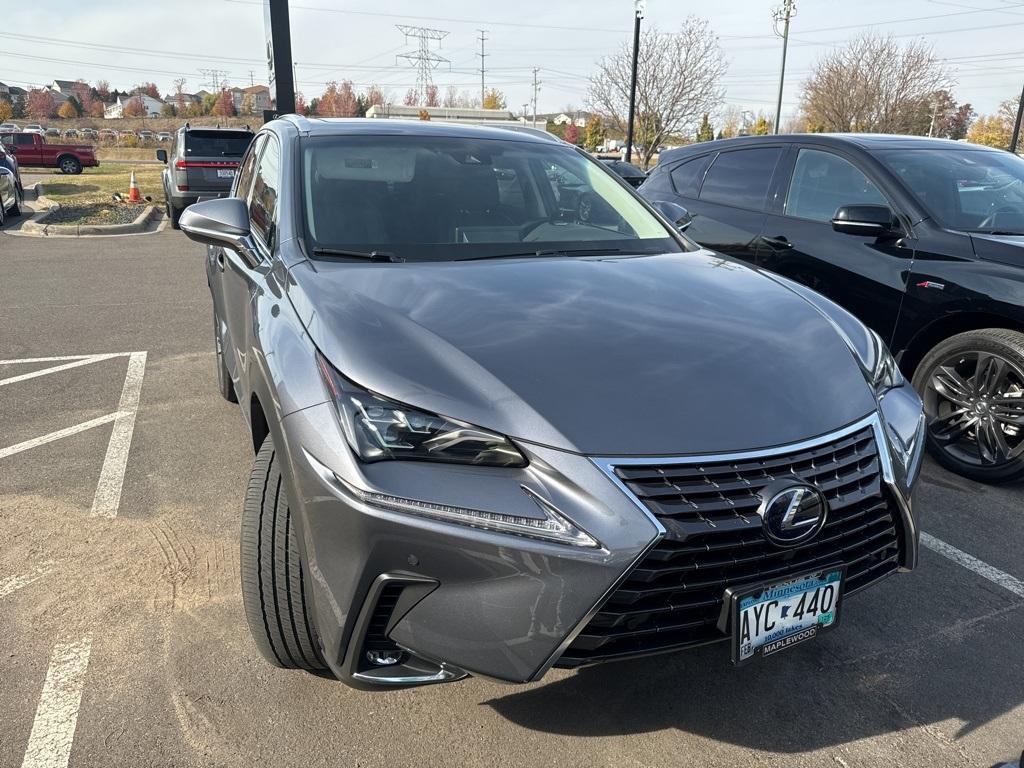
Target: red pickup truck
<point x="32" y="150"/>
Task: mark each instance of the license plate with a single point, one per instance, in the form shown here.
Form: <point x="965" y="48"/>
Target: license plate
<point x="774" y="617"/>
<point x="225" y="173"/>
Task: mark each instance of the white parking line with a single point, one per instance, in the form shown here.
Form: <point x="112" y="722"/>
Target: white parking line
<point x="12" y="584"/>
<point x="57" y="359"/>
<point x="108" y="490"/>
<point x="1003" y="579"/>
<point x="66" y="432"/>
<point x="56" y="368"/>
<point x="53" y="730"/>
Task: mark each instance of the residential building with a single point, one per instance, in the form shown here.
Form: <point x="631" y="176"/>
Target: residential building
<point x="116" y="110"/>
<point x="260" y="97"/>
<point x="442" y="114"/>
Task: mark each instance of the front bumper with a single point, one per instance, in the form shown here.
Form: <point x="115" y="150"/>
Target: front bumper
<point x="462" y="599"/>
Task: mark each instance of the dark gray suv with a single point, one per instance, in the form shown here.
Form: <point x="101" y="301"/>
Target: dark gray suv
<point x="202" y="162"/>
<point x="506" y="417"/>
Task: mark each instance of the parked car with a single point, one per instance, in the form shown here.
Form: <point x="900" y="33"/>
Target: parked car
<point x="201" y="163"/>
<point x="146" y="135"/>
<point x="630" y="173"/>
<point x="71" y="133"/>
<point x="492" y="436"/>
<point x="33" y="151"/>
<point x="88" y="133"/>
<point x="9" y="128"/>
<point x="107" y="133"/>
<point x="9" y="161"/>
<point x="52" y="132"/>
<point x="10" y="187"/>
<point x="922" y="239"/>
<point x="34" y="128"/>
<point x="163" y="136"/>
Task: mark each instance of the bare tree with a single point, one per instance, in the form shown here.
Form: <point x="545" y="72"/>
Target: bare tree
<point x="873" y="84"/>
<point x="678" y="82"/>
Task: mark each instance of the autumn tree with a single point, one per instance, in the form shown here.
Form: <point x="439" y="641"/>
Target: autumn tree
<point x="678" y="80"/>
<point x="375" y="96"/>
<point x="179" y="95"/>
<point x="40" y="104"/>
<point x="134" y="108"/>
<point x="103" y="90"/>
<point x="593" y="133"/>
<point x="168" y="110"/>
<point x="762" y="125"/>
<point x="248" y="105"/>
<point x="872" y="84"/>
<point x="225" y="104"/>
<point x="96" y="109"/>
<point x="995" y="130"/>
<point x="431" y="96"/>
<point x="494" y="99"/>
<point x="572" y="133"/>
<point x="149" y="89"/>
<point x="300" y="104"/>
<point x="67" y="110"/>
<point x="411" y="98"/>
<point x="338" y="100"/>
<point x="6" y="111"/>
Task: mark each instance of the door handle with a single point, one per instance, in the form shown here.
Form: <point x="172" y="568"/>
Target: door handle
<point x="781" y="241"/>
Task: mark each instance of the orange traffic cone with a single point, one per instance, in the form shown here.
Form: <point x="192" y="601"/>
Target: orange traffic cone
<point x="133" y="191"/>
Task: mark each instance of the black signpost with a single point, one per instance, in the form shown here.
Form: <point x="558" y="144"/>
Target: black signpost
<point x="279" y="58"/>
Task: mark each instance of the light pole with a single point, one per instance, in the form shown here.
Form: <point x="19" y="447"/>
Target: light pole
<point x="1016" y="123"/>
<point x="638" y="13"/>
<point x="783" y="14"/>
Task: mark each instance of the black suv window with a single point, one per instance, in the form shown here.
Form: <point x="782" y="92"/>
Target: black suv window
<point x="248" y="169"/>
<point x="822" y="182"/>
<point x="686" y="177"/>
<point x="265" y="188"/>
<point x="216" y="143"/>
<point x="741" y="178"/>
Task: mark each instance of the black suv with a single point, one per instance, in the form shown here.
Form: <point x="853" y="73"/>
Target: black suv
<point x="201" y="163"/>
<point x="922" y="239"/>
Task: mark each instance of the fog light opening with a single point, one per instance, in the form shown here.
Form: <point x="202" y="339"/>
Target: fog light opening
<point x="384" y="658"/>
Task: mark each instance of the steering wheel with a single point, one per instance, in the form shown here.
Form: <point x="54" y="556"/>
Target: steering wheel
<point x="990" y="220"/>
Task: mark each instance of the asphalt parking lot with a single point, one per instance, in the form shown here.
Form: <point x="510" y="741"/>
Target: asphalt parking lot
<point x="123" y="641"/>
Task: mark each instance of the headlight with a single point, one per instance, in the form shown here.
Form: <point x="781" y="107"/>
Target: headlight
<point x="379" y="429"/>
<point x="886" y="373"/>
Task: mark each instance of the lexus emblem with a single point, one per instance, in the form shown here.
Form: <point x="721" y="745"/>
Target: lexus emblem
<point x="792" y="512"/>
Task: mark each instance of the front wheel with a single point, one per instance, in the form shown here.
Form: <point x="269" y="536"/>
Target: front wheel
<point x="70" y="165"/>
<point x="972" y="385"/>
<point x="274" y="589"/>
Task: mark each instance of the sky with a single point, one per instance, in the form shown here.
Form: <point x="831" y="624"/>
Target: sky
<point x="980" y="41"/>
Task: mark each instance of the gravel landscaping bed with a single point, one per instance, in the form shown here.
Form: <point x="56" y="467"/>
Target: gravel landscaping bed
<point x="94" y="213"/>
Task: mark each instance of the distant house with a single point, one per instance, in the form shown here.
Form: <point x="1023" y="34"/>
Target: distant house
<point x="260" y="97"/>
<point x="116" y="110"/>
<point x="578" y="117"/>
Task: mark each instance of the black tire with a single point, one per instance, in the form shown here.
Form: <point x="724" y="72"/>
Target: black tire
<point x="3" y="215"/>
<point x="15" y="209"/>
<point x="274" y="587"/>
<point x="69" y="164"/>
<point x="224" y="383"/>
<point x="972" y="385"/>
<point x="173" y="214"/>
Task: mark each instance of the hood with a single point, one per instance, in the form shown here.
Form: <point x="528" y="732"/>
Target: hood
<point x="672" y="354"/>
<point x="1005" y="249"/>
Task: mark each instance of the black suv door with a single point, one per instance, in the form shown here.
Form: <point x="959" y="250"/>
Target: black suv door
<point x="866" y="275"/>
<point x="725" y="192"/>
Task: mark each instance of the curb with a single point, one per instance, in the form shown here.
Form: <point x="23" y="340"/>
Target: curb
<point x="40" y="227"/>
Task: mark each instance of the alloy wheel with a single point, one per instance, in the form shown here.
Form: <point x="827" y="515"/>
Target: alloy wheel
<point x="975" y="406"/>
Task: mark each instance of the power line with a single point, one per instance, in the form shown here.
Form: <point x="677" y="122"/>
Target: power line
<point x="424" y="59"/>
<point x="215" y="78"/>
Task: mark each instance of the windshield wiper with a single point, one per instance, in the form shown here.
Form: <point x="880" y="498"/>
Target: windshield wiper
<point x="368" y="255"/>
<point x="1003" y="232"/>
<point x="547" y="252"/>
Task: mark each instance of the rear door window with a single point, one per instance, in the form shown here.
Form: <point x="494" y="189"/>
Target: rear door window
<point x="216" y="143"/>
<point x="823" y="181"/>
<point x="686" y="177"/>
<point x="741" y="177"/>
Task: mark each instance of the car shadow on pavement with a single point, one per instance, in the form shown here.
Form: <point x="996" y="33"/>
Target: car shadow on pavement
<point x="806" y="699"/>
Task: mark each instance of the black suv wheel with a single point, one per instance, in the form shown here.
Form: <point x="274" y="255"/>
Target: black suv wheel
<point x="972" y="385"/>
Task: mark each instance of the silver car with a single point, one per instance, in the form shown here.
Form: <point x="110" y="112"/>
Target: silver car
<point x="506" y="416"/>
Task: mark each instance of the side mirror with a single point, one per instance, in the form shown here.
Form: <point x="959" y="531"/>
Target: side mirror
<point x="161" y="155"/>
<point x="679" y="216"/>
<point x="865" y="220"/>
<point x="223" y="222"/>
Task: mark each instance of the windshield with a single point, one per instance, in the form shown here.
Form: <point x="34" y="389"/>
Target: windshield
<point x="444" y="198"/>
<point x="217" y="143"/>
<point x="969" y="189"/>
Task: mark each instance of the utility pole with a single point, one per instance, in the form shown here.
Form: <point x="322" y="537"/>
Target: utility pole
<point x="536" y="87"/>
<point x="783" y="14"/>
<point x="425" y="60"/>
<point x="482" y="55"/>
<point x="638" y="14"/>
<point x="252" y="78"/>
<point x="1016" y="125"/>
<point x="935" y="113"/>
<point x="526" y="111"/>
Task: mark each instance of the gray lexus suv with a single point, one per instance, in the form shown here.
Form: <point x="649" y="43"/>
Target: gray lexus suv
<point x="506" y="416"/>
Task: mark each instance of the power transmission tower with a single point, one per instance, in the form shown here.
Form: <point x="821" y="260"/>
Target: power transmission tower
<point x="252" y="78"/>
<point x="536" y="88"/>
<point x="783" y="14"/>
<point x="424" y="59"/>
<point x="215" y="78"/>
<point x="482" y="55"/>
